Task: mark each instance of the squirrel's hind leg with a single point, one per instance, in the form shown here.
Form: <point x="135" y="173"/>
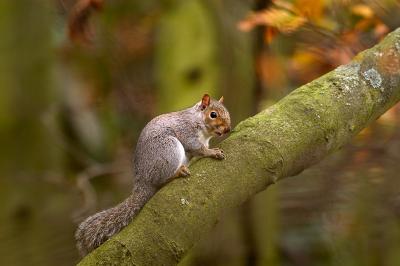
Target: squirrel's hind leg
<point x="182" y="171"/>
<point x="170" y="160"/>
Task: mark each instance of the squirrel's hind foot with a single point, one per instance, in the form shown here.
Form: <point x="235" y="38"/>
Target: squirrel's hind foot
<point x="183" y="171"/>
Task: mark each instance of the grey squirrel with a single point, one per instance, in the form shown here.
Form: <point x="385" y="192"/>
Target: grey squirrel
<point x="165" y="146"/>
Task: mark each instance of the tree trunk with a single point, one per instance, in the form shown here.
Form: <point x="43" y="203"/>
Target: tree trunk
<point x="30" y="156"/>
<point x="283" y="140"/>
<point x="186" y="55"/>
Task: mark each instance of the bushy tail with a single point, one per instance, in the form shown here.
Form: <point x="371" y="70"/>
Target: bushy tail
<point x="96" y="229"/>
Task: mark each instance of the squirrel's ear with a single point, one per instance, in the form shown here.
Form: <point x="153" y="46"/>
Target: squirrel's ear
<point x="205" y="101"/>
<point x="221" y="100"/>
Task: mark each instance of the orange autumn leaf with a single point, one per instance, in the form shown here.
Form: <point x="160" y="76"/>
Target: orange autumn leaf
<point x="285" y="5"/>
<point x="362" y="10"/>
<point x="363" y="25"/>
<point x="270" y="34"/>
<point x="380" y="30"/>
<point x="282" y="20"/>
<point x="312" y="10"/>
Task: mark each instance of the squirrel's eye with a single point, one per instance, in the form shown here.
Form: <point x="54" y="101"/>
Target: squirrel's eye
<point x="213" y="115"/>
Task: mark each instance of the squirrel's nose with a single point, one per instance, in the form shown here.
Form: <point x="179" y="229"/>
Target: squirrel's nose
<point x="227" y="130"/>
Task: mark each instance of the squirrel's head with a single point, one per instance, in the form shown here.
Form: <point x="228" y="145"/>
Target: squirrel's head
<point x="216" y="116"/>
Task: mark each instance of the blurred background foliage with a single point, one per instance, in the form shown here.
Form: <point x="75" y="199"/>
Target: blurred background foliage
<point x="80" y="78"/>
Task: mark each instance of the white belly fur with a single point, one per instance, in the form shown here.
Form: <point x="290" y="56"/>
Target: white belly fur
<point x="182" y="154"/>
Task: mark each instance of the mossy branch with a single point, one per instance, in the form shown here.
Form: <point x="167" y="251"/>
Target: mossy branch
<point x="310" y="123"/>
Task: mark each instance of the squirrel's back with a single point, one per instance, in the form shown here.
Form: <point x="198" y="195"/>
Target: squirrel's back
<point x="159" y="150"/>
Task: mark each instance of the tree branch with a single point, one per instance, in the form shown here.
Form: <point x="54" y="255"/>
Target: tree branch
<point x="297" y="132"/>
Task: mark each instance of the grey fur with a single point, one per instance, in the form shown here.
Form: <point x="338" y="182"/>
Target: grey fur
<point x="157" y="159"/>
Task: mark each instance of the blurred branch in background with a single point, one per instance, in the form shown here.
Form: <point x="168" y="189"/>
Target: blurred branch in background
<point x="86" y="188"/>
<point x="78" y="26"/>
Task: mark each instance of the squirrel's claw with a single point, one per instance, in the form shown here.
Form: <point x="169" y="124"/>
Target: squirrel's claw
<point x="183" y="171"/>
<point x="219" y="154"/>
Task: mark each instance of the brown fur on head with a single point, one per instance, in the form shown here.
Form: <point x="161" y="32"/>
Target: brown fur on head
<point x="215" y="115"/>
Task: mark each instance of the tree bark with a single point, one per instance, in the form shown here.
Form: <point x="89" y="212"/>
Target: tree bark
<point x="281" y="141"/>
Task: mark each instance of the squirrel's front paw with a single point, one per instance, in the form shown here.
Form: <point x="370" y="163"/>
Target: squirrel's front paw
<point x="219" y="154"/>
